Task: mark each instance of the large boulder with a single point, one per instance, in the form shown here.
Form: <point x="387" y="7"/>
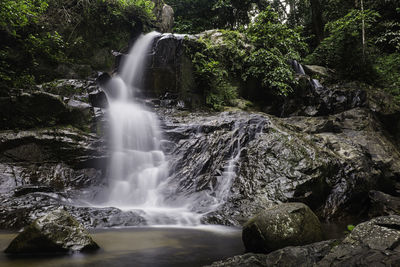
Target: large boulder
<point x="164" y="16"/>
<point x="290" y="224"/>
<point x="383" y="204"/>
<point x="321" y="72"/>
<point x="167" y="19"/>
<point x="43" y="109"/>
<point x="56" y="232"/>
<point x="307" y="255"/>
<point x="373" y="243"/>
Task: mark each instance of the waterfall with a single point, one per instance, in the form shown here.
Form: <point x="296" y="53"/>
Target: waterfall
<point x="138" y="173"/>
<point x="138" y="169"/>
<point x="137" y="166"/>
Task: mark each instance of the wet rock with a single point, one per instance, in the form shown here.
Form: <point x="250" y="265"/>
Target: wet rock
<point x="42" y="109"/>
<point x="321" y="72"/>
<point x="23" y="190"/>
<point x="67" y="145"/>
<point x="32" y="110"/>
<point x="311" y="99"/>
<point x="80" y="113"/>
<point x="98" y="99"/>
<point x="307" y="255"/>
<point x="107" y="217"/>
<point x="329" y="163"/>
<point x="76" y="89"/>
<point x="373" y="243"/>
<point x="56" y="232"/>
<point x="17" y="212"/>
<point x="167" y="19"/>
<point x="290" y="224"/>
<point x="364" y="151"/>
<point x="383" y="204"/>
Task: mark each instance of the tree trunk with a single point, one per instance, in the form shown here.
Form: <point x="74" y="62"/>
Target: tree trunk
<point x="363" y="29"/>
<point x="317" y="22"/>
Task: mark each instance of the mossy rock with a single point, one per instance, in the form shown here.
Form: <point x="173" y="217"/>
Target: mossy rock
<point x="56" y="232"/>
<point x="289" y="224"/>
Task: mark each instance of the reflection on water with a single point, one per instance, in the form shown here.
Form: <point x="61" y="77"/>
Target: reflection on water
<point x="144" y="247"/>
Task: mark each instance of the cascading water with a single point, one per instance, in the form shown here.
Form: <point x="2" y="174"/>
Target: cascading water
<point x="138" y="169"/>
<point x="137" y="164"/>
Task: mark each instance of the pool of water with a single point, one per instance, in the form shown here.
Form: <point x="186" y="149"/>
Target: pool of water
<point x="143" y="247"/>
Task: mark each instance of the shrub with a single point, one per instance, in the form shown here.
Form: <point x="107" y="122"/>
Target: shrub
<point x="343" y="50"/>
<point x="273" y="45"/>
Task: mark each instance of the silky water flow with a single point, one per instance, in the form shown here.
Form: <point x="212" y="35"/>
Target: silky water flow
<point x="138" y="169"/>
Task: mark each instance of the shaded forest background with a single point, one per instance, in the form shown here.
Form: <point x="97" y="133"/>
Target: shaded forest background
<point x="42" y="40"/>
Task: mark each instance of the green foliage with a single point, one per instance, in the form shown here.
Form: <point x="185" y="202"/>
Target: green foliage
<point x="226" y="61"/>
<point x="17" y="14"/>
<point x="194" y="16"/>
<point x="350" y="227"/>
<point x="388" y="70"/>
<point x="342" y="49"/>
<point x="389" y="38"/>
<point x="274" y="44"/>
<point x="38" y="35"/>
<point x="211" y="70"/>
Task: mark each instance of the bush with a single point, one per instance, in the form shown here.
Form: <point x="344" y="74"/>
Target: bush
<point x="273" y="45"/>
<point x="38" y="35"/>
<point x="388" y="70"/>
<point x="342" y="49"/>
<point x="213" y="70"/>
<point x="227" y="62"/>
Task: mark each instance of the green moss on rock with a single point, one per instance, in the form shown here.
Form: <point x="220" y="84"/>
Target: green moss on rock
<point x="56" y="232"/>
<point x="290" y="224"/>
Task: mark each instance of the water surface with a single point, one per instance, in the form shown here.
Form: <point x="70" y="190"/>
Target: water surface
<point x="143" y="247"/>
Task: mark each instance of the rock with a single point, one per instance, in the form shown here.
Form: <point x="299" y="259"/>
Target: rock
<point x="164" y="15"/>
<point x="32" y="110"/>
<point x="383" y="204"/>
<point x="56" y="232"/>
<point x="80" y="113"/>
<point x="42" y="109"/>
<point x="373" y="243"/>
<point x="312" y="99"/>
<point x="17" y="212"/>
<point x="289" y="224"/>
<point x="98" y="99"/>
<point x="23" y="190"/>
<point x="167" y="19"/>
<point x="75" y="89"/>
<point x="307" y="255"/>
<point x="65" y="144"/>
<point x="329" y="163"/>
<point x="321" y="72"/>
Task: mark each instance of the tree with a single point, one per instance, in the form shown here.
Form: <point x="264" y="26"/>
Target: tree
<point x="317" y="22"/>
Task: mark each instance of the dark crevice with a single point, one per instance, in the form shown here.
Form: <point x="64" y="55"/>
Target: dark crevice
<point x="390" y="226"/>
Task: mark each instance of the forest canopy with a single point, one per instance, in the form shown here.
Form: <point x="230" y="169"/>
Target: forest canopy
<point x="359" y="40"/>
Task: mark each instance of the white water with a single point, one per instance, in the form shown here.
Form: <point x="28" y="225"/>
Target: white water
<point x="229" y="174"/>
<point x="138" y="169"/>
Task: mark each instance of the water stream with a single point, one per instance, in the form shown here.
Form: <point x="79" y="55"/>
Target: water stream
<point x="138" y="173"/>
<point x="138" y="168"/>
